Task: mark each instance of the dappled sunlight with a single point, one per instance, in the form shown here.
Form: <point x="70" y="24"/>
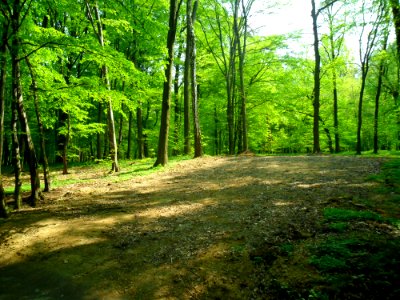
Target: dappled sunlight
<point x="190" y="232"/>
<point x="282" y="203"/>
<point x="49" y="235"/>
<point x="172" y="210"/>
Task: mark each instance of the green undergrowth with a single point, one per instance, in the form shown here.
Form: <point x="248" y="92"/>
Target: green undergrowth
<point x="96" y="171"/>
<point x="355" y="253"/>
<point x="128" y="170"/>
<point x="9" y="190"/>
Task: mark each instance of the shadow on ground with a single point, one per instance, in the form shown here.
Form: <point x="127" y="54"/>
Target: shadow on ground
<point x="191" y="232"/>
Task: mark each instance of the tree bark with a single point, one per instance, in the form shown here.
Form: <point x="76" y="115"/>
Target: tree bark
<point x="186" y="94"/>
<point x="231" y="82"/>
<point x="395" y="5"/>
<point x="365" y="65"/>
<point x="242" y="55"/>
<point x="317" y="80"/>
<point x="4" y="212"/>
<point x="162" y="152"/>
<point x="99" y="153"/>
<point x="130" y="123"/>
<point x="377" y="99"/>
<point x="177" y="107"/>
<point x="46" y="170"/>
<point x="140" y="138"/>
<point x="19" y="105"/>
<point x="191" y="44"/>
<point x="104" y="73"/>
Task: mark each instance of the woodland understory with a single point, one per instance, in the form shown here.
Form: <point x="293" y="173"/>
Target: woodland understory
<point x="102" y="103"/>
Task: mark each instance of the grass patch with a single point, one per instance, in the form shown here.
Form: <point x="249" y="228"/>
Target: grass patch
<point x="339" y="226"/>
<point x="348" y="264"/>
<point x="10" y="190"/>
<point x="340" y="214"/>
<point x="354" y="255"/>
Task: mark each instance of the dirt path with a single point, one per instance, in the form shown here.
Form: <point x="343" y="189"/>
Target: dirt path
<point x="186" y="233"/>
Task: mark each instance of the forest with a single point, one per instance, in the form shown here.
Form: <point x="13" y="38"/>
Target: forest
<point x="131" y="117"/>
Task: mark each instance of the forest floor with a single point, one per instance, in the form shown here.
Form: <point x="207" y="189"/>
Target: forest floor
<point x="245" y="227"/>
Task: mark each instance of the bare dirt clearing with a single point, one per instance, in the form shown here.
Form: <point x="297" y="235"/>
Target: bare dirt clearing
<point x="192" y="231"/>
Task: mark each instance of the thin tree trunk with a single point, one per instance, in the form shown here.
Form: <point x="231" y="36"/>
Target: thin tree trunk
<point x="317" y="82"/>
<point x="186" y="96"/>
<point x="395" y="5"/>
<point x="140" y="139"/>
<point x="191" y="44"/>
<point x="19" y="105"/>
<point x="335" y="112"/>
<point x="216" y="130"/>
<point x="177" y="108"/>
<point x="242" y="55"/>
<point x="231" y="82"/>
<point x="130" y="122"/>
<point x="162" y="153"/>
<point x="99" y="135"/>
<point x="46" y="171"/>
<point x="104" y="72"/>
<point x="16" y="156"/>
<point x="365" y="62"/>
<point x="65" y="144"/>
<point x="377" y="99"/>
<point x="360" y="110"/>
<point x="4" y="212"/>
<point x="121" y="125"/>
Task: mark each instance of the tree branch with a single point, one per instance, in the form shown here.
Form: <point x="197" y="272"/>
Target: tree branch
<point x="330" y="3"/>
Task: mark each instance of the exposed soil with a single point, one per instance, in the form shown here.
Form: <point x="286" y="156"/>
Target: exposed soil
<point x="209" y="228"/>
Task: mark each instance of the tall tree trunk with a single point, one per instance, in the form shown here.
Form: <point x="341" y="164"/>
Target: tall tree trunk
<point x="99" y="153"/>
<point x="16" y="155"/>
<point x="46" y="170"/>
<point x="242" y="54"/>
<point x="104" y="73"/>
<point x="317" y="73"/>
<point x="140" y="138"/>
<point x="216" y="130"/>
<point x="186" y="96"/>
<point x="177" y="107"/>
<point x="191" y="44"/>
<point x="360" y="109"/>
<point x="317" y="80"/>
<point x="231" y="83"/>
<point x="162" y="153"/>
<point x="377" y="99"/>
<point x="120" y="128"/>
<point x="19" y="105"/>
<point x="66" y="143"/>
<point x="395" y="5"/>
<point x="4" y="212"/>
<point x="336" y="112"/>
<point x="130" y="125"/>
<point x="365" y="58"/>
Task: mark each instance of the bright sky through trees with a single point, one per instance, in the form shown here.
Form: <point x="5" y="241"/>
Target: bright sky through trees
<point x="284" y="17"/>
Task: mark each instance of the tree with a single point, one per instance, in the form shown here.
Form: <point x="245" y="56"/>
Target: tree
<point x="191" y="10"/>
<point x="34" y="87"/>
<point x="222" y="42"/>
<point x="317" y="72"/>
<point x="369" y="32"/>
<point x="333" y="49"/>
<point x="3" y="64"/>
<point x="395" y="6"/>
<point x="381" y="71"/>
<point x="17" y="14"/>
<point x="98" y="30"/>
<point x="162" y="153"/>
